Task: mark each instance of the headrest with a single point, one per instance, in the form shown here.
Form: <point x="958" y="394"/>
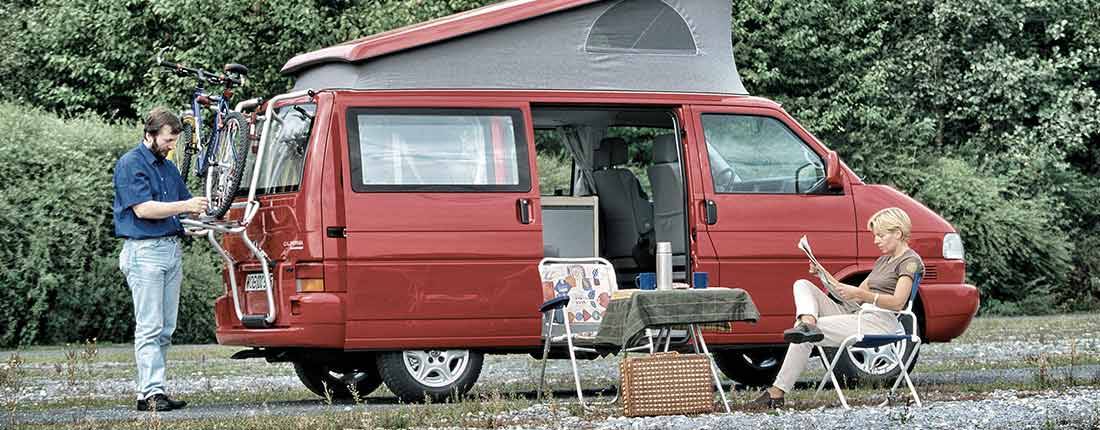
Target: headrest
<point x="664" y="149"/>
<point x="601" y="157"/>
<point x="615" y="150"/>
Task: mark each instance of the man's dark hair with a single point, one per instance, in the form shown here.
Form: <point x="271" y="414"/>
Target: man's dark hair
<point x="160" y="117"/>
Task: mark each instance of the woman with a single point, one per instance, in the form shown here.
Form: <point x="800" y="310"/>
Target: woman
<point x="820" y="320"/>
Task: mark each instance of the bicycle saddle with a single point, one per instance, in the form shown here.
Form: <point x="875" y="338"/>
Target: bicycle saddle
<point x="239" y="69"/>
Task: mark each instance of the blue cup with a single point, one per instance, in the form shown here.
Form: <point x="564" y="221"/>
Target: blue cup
<point x="646" y="281"/>
<point x="699" y="280"/>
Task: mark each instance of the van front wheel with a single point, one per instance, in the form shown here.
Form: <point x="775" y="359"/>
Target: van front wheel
<point x="755" y="367"/>
<point x="435" y="375"/>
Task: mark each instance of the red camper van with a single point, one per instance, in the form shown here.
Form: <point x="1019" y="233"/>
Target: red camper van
<point x="402" y="200"/>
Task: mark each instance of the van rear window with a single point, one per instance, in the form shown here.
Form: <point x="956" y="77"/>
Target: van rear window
<point x="285" y="154"/>
<point x="438" y="150"/>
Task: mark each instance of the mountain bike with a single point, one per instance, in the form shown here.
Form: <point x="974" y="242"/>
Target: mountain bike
<point x="222" y="145"/>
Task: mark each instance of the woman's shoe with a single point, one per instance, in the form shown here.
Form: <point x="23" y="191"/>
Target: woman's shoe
<point x="802" y="333"/>
<point x="765" y="401"/>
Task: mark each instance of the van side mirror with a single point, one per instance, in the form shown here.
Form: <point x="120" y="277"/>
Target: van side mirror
<point x="834" y="177"/>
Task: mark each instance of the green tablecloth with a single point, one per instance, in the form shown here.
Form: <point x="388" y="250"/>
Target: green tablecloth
<point x="626" y="319"/>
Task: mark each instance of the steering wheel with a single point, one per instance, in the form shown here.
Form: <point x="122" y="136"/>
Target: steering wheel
<point x="724" y="179"/>
<point x="811" y="188"/>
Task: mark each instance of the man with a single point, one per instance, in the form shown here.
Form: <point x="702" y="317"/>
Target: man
<point x="149" y="197"/>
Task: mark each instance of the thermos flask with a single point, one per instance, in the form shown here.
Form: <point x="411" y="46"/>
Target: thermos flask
<point x="664" y="265"/>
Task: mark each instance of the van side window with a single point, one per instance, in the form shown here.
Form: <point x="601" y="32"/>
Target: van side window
<point x="438" y="150"/>
<point x="285" y="153"/>
<point x="757" y="154"/>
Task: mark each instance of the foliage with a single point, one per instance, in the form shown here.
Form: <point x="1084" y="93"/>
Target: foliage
<point x="60" y="255"/>
<point x="1038" y="260"/>
<point x="987" y="111"/>
<point x="97" y="55"/>
<point x="1005" y="91"/>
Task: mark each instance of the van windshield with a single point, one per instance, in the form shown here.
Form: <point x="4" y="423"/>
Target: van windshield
<point x="285" y="155"/>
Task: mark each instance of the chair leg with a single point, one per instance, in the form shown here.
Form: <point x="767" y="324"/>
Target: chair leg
<point x="697" y="333"/>
<point x="545" y="352"/>
<point x="825" y="377"/>
<point x="832" y="375"/>
<point x="905" y="372"/>
<point x="573" y="361"/>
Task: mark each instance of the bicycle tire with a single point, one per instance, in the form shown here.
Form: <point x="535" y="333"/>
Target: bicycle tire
<point x="186" y="148"/>
<point x="224" y="177"/>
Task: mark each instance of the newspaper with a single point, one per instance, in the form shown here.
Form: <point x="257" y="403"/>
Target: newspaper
<point x="804" y="245"/>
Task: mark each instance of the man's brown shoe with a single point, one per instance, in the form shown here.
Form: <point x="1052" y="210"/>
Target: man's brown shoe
<point x="802" y="333"/>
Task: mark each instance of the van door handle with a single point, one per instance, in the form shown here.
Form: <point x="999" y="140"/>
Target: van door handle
<point x="710" y="212"/>
<point x="523" y="207"/>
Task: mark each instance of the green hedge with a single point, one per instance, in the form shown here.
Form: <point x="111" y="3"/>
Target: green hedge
<point x="61" y="281"/>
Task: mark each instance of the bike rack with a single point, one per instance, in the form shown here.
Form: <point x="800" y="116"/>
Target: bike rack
<point x="208" y="227"/>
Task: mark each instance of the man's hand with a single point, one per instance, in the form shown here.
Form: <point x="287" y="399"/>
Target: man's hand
<point x="195" y="205"/>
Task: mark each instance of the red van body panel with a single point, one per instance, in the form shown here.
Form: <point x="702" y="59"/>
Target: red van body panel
<point x="443" y="270"/>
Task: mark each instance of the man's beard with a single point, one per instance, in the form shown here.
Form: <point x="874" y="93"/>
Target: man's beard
<point x="159" y="152"/>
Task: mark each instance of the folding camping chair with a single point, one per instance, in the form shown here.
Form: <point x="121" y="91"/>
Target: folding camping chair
<point x="891" y="341"/>
<point x="577" y="292"/>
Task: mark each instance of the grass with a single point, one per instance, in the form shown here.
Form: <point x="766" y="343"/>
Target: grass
<point x="85" y="369"/>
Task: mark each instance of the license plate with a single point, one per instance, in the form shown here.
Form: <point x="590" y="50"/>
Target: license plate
<point x="255" y="282"/>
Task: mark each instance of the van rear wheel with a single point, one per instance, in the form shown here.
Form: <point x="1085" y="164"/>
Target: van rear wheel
<point x="339" y="381"/>
<point x="434" y="375"/>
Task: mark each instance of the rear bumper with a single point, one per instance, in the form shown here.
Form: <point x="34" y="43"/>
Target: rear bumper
<point x="948" y="310"/>
<point x="314" y="320"/>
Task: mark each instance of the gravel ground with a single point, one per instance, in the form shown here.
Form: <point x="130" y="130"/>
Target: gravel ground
<point x="1004" y="409"/>
<point x="998" y="356"/>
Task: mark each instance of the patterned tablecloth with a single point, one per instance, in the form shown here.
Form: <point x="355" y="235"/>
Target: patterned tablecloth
<point x="626" y="319"/>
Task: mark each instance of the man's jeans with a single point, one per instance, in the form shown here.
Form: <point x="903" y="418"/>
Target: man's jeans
<point x="153" y="271"/>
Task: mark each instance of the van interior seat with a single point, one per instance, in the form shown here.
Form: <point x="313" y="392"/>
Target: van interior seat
<point x="626" y="214"/>
<point x="668" y="196"/>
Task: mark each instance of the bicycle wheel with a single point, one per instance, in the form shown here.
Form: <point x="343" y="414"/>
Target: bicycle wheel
<point x="186" y="147"/>
<point x="223" y="175"/>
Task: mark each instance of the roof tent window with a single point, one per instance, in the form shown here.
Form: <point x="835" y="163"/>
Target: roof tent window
<point x="641" y="26"/>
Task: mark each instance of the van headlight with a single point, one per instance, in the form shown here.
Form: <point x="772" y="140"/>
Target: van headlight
<point x="953" y="247"/>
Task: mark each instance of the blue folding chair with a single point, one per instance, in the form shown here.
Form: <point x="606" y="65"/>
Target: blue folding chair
<point x="860" y="340"/>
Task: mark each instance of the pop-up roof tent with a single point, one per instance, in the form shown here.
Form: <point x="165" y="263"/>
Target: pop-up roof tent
<point x="617" y="45"/>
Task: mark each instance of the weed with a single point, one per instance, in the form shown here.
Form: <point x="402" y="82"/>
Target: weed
<point x="88" y="357"/>
<point x="72" y="360"/>
<point x="1072" y="362"/>
<point x="354" y="390"/>
<point x="11" y="384"/>
<point x="401" y="417"/>
<point x="328" y="393"/>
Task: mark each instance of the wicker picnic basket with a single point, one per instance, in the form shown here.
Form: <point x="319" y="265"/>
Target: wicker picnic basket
<point x="666" y="384"/>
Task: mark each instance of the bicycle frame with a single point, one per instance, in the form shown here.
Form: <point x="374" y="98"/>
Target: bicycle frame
<point x="210" y="146"/>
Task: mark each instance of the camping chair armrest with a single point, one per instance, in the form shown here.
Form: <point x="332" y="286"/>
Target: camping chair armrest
<point x="868" y="307"/>
<point x="554" y="303"/>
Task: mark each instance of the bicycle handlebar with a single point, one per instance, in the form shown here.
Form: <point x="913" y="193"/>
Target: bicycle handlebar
<point x="199" y="74"/>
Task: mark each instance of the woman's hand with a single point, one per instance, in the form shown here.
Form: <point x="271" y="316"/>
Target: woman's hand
<point x="813" y="269"/>
<point x="850" y="293"/>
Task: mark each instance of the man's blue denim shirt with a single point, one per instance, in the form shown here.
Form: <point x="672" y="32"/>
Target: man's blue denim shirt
<point x="141" y="177"/>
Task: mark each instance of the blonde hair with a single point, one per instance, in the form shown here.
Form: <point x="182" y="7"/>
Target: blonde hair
<point x="891" y="219"/>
